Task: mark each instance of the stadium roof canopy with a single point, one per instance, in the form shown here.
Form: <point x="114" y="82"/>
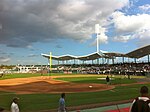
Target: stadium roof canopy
<point x="112" y="54"/>
<point x="91" y="56"/>
<point x="139" y="53"/>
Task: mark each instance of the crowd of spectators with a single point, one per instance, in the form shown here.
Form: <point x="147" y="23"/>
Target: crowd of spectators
<point x="117" y="69"/>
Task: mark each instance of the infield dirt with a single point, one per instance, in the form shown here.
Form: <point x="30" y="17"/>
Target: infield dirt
<point x="47" y="84"/>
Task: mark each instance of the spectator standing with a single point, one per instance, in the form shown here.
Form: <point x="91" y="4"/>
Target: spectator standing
<point x="142" y="103"/>
<point x="14" y="105"/>
<point x="62" y="107"/>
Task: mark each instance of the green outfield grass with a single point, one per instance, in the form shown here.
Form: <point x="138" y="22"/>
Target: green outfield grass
<point x="97" y="80"/>
<point x="36" y="102"/>
<point x="25" y="75"/>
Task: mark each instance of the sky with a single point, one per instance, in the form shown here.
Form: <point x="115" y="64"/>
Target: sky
<point x="31" y="27"/>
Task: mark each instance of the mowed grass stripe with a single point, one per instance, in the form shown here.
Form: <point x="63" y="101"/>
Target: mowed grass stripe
<point x="25" y="75"/>
<point x="97" y="80"/>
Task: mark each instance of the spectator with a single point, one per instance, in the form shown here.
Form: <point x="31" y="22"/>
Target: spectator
<point x="142" y="103"/>
<point x="14" y="105"/>
<point x="62" y="107"/>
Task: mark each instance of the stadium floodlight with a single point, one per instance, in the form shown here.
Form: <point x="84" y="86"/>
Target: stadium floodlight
<point x="97" y="32"/>
<point x="97" y="28"/>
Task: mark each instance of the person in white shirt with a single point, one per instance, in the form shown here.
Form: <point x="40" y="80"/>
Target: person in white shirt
<point x="14" y="105"/>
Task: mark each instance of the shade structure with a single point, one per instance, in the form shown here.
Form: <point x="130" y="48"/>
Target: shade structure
<point x="91" y="56"/>
<point x="139" y="53"/>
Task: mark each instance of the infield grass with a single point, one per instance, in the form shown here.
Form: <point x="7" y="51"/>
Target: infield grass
<point x="98" y="80"/>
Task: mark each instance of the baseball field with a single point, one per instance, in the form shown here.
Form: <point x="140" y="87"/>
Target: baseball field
<point x="41" y="93"/>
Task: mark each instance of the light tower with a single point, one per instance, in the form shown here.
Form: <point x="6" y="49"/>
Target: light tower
<point x="97" y="32"/>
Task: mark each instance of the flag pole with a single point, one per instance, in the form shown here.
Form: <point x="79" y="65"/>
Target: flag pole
<point x="50" y="62"/>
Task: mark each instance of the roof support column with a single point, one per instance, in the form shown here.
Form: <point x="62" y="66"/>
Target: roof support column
<point x="78" y="62"/>
<point x="123" y="59"/>
<point x="134" y="60"/>
<point x="148" y="58"/>
<point x="107" y="60"/>
<point x="102" y="60"/>
<point x="92" y="62"/>
<point x="112" y="60"/>
<point x="98" y="61"/>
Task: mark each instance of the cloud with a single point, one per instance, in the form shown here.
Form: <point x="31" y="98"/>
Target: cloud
<point x="4" y="60"/>
<point x="145" y="7"/>
<point x="128" y="27"/>
<point x="144" y="37"/>
<point x="24" y="22"/>
<point x="130" y="23"/>
<point x="122" y="38"/>
<point x="6" y="54"/>
<point x="1" y="26"/>
<point x="33" y="55"/>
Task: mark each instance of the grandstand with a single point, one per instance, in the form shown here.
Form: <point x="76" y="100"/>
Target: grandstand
<point x="122" y="68"/>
